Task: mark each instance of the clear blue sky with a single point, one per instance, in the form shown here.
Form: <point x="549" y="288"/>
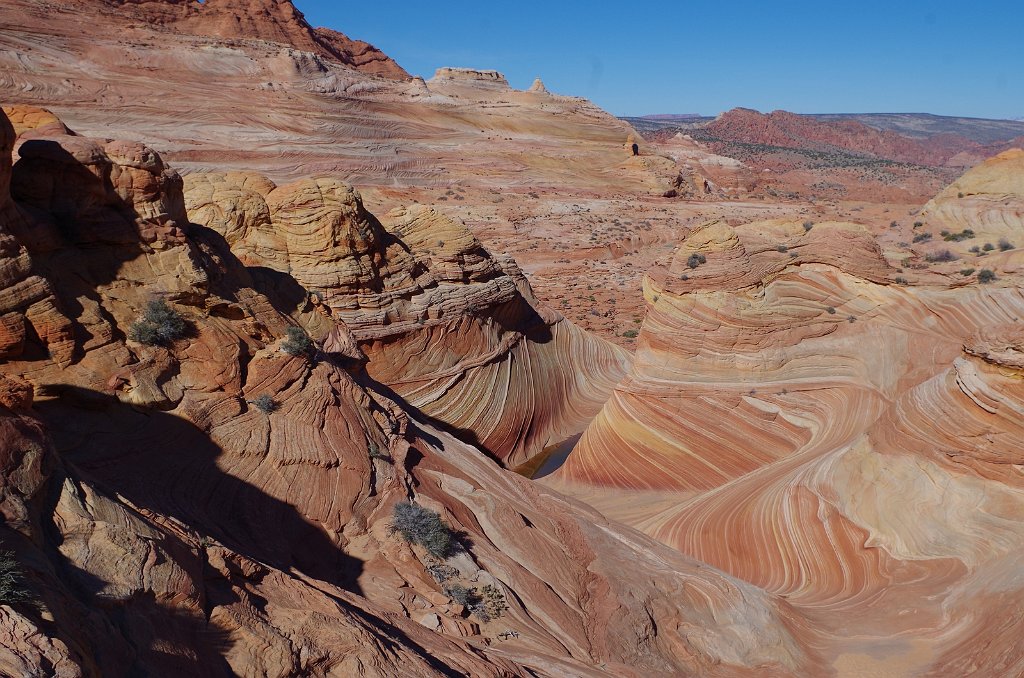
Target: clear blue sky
<point x="828" y="56"/>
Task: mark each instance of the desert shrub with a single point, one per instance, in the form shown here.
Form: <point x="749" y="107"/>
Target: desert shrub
<point x="918" y="224"/>
<point x="374" y="452"/>
<point x="696" y="259"/>
<point x="893" y="224"/>
<point x="630" y="334"/>
<point x="463" y="596"/>
<point x="808" y="225"/>
<point x="922" y="237"/>
<point x="296" y="342"/>
<point x="986" y="276"/>
<point x="12" y="581"/>
<point x="265" y="403"/>
<point x="966" y="271"/>
<point x="782" y="248"/>
<point x="494" y="601"/>
<point x="944" y="233"/>
<point x="159" y="325"/>
<point x="900" y="280"/>
<point x="831" y="310"/>
<point x="965" y="234"/>
<point x="1005" y="245"/>
<point x="441" y="572"/>
<point x="941" y="255"/>
<point x="420" y="525"/>
<point x="988" y="247"/>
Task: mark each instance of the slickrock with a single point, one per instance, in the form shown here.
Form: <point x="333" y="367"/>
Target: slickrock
<point x="799" y="418"/>
<point x="172" y="522"/>
<point x="453" y="330"/>
<point x="988" y="199"/>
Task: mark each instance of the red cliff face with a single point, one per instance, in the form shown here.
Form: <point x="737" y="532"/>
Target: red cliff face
<point x="270" y="20"/>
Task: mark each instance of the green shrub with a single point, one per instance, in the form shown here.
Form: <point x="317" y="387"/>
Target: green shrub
<point x="986" y="276"/>
<point x="1005" y="245"/>
<point x="296" y="342"/>
<point x="782" y="248"/>
<point x="630" y="334"/>
<point x="941" y="255"/>
<point x="494" y="601"/>
<point x="696" y="259"/>
<point x="831" y="310"/>
<point x="966" y="271"/>
<point x="988" y="247"/>
<point x="420" y="525"/>
<point x="463" y="596"/>
<point x="159" y="325"/>
<point x="922" y="237"/>
<point x="12" y="581"/>
<point x="266" y="403"/>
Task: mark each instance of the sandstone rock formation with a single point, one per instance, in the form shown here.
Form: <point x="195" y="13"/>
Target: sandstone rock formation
<point x="170" y="524"/>
<point x="800" y="418"/>
<point x="267" y="20"/>
<point x="455" y="331"/>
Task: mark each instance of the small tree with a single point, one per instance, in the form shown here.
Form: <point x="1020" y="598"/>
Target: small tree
<point x="986" y="276"/>
<point x="420" y="525"/>
<point x="296" y="342"/>
<point x="159" y="325"/>
<point x="12" y="581"/>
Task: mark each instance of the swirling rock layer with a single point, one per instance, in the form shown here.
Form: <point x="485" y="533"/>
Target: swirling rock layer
<point x="800" y="420"/>
<point x="216" y="506"/>
<point x="453" y="330"/>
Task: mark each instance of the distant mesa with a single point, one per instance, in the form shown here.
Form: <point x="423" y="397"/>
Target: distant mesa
<point x="469" y="76"/>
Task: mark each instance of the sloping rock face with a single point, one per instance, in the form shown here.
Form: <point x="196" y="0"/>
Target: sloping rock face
<point x="172" y="522"/>
<point x="269" y="20"/>
<point x="989" y="199"/>
<point x="453" y="330"/>
<point x="799" y="417"/>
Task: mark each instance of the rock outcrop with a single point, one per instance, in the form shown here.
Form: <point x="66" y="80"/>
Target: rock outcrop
<point x="452" y="329"/>
<point x="216" y="505"/>
<point x="800" y="418"/>
<point x="268" y="20"/>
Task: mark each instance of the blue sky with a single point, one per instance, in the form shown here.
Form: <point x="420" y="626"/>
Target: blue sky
<point x="949" y="58"/>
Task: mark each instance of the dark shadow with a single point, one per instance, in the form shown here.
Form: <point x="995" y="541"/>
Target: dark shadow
<point x="76" y="227"/>
<point x="163" y="463"/>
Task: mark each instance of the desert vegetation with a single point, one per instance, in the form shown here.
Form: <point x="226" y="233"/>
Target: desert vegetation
<point x="159" y="325"/>
<point x="12" y="581"/>
<point x="419" y="525"/>
<point x="296" y="342"/>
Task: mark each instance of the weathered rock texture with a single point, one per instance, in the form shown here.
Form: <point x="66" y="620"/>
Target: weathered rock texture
<point x="454" y="331"/>
<point x="799" y="417"/>
<point x="170" y="526"/>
